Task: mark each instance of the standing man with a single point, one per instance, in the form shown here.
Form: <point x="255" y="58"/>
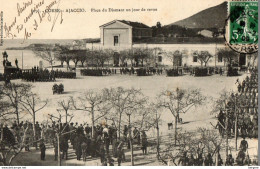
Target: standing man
<point x="43" y="149"/>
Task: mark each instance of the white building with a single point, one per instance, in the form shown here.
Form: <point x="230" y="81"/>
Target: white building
<point x="120" y="34"/>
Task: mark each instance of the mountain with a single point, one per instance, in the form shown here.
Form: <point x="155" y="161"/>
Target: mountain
<point x="213" y="17"/>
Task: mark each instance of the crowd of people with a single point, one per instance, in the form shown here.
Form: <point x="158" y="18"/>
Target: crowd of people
<point x="102" y="141"/>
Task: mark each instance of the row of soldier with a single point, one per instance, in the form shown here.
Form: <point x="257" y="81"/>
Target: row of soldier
<point x="202" y="158"/>
<point x="241" y="109"/>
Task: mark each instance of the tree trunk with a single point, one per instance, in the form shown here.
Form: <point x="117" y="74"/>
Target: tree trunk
<point x="66" y="118"/>
<point x="226" y="127"/>
<point x="82" y="63"/>
<point x="217" y="157"/>
<point x="119" y="125"/>
<point x="158" y="139"/>
<point x="131" y="141"/>
<point x="93" y="122"/>
<point x="17" y="114"/>
<point x="61" y="62"/>
<point x="34" y="132"/>
<point x="68" y="64"/>
<point x="58" y="142"/>
<point x="175" y="130"/>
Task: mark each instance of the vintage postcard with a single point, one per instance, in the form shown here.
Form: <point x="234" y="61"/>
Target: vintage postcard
<point x="129" y="83"/>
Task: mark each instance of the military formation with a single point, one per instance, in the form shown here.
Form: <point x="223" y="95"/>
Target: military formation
<point x="38" y="75"/>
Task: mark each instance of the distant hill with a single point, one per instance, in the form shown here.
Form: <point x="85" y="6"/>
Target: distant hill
<point x="213" y="17"/>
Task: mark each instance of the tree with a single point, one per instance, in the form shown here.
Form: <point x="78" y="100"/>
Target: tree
<point x="94" y="103"/>
<point x="47" y="53"/>
<point x="76" y="55"/>
<point x="124" y="55"/>
<point x="13" y="93"/>
<point x="158" y="25"/>
<point x="228" y="55"/>
<point x="203" y="57"/>
<point x="60" y="54"/>
<point x="175" y="57"/>
<point x="84" y="56"/>
<point x="179" y="101"/>
<point x="150" y="117"/>
<point x="65" y="106"/>
<point x="253" y="57"/>
<point x="195" y="142"/>
<point x="31" y="103"/>
<point x="122" y="100"/>
<point x="60" y="131"/>
<point x="9" y="153"/>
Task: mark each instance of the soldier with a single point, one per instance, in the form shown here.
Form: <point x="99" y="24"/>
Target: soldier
<point x="184" y="160"/>
<point x="84" y="150"/>
<point x="102" y="154"/>
<point x="191" y="160"/>
<point x="64" y="146"/>
<point x="243" y="145"/>
<point x="229" y="160"/>
<point x="144" y="143"/>
<point x="55" y="144"/>
<point x="208" y="160"/>
<point x="78" y="142"/>
<point x="43" y="149"/>
<point x="120" y="153"/>
<point x="240" y="157"/>
<point x="200" y="159"/>
<point x="220" y="161"/>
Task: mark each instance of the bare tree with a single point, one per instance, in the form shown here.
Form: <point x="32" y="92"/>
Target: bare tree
<point x="47" y="53"/>
<point x="65" y="106"/>
<point x="179" y="101"/>
<point x="93" y="103"/>
<point x="32" y="103"/>
<point x="13" y="93"/>
<point x="122" y="100"/>
<point x="60" y="131"/>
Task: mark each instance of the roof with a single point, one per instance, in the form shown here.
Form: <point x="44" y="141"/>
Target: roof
<point x="134" y="24"/>
<point x="129" y="23"/>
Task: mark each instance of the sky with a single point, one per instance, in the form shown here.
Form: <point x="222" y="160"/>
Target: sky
<point x="80" y="25"/>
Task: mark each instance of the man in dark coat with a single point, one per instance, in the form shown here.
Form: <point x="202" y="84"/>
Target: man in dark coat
<point x="208" y="160"/>
<point x="241" y="158"/>
<point x="78" y="141"/>
<point x="184" y="160"/>
<point x="243" y="145"/>
<point x="43" y="149"/>
<point x="84" y="150"/>
<point x="64" y="146"/>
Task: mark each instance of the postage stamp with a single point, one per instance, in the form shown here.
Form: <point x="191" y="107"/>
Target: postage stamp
<point x="242" y="26"/>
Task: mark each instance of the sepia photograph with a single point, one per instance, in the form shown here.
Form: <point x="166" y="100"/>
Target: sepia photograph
<point x="129" y="83"/>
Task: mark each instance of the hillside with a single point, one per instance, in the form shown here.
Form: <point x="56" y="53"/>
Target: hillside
<point x="213" y="17"/>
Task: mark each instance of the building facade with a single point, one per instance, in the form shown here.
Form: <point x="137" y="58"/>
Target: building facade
<point x="120" y="35"/>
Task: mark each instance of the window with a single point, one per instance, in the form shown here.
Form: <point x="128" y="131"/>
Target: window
<point x="220" y="58"/>
<point x="195" y="58"/>
<point x="159" y="58"/>
<point x="115" y="40"/>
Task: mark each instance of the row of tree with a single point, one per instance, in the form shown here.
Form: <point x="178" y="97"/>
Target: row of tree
<point x="137" y="56"/>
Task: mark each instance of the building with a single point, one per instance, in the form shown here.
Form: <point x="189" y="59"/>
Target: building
<point x="120" y="34"/>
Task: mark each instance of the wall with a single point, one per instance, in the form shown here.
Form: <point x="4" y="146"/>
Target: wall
<point x="190" y="48"/>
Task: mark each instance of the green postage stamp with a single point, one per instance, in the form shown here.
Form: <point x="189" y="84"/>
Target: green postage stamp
<point x="243" y="26"/>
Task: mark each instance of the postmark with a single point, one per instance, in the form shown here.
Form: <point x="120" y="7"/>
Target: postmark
<point x="241" y="28"/>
